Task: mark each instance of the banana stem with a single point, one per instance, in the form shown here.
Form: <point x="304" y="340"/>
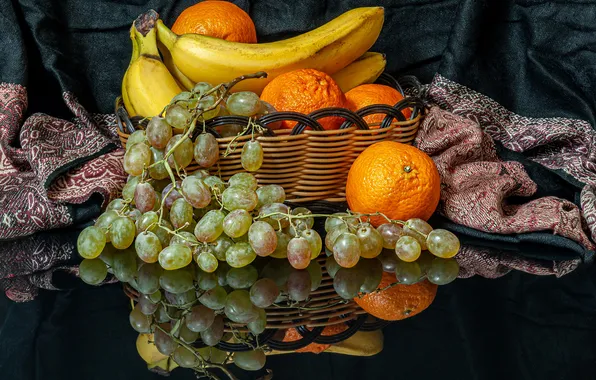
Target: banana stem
<point x="165" y="35"/>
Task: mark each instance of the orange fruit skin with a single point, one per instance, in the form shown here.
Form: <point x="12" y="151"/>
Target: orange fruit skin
<point x="395" y="179"/>
<point x="305" y="91"/>
<point x="215" y="18"/>
<point x="400" y="301"/>
<point x="316" y="348"/>
<point x="368" y="94"/>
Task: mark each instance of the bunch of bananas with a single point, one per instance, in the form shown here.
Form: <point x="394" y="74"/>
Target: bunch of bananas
<point x="338" y="48"/>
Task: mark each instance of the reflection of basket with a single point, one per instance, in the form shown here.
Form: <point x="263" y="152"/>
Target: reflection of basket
<point x="310" y="164"/>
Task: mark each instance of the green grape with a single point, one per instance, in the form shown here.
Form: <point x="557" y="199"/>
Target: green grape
<point x="123" y="232"/>
<point x="269" y="194"/>
<point x="207" y="261"/>
<point x="242" y="278"/>
<point x="407" y="249"/>
<point x="206" y="281"/>
<point x="315" y="242"/>
<point x="222" y="272"/>
<point x="262" y="238"/>
<point x="250" y="360"/>
<point x="334" y="220"/>
<point x="239" y="308"/>
<point x="93" y="271"/>
<point x="181" y="300"/>
<point x="264" y="292"/>
<point x="181" y="213"/>
<point x="391" y="233"/>
<point x="176" y="281"/>
<point x="278" y="212"/>
<point x="373" y="274"/>
<point x="207" y="105"/>
<point x="210" y="226"/>
<point x="222" y="243"/>
<point x="230" y="130"/>
<point x="346" y="250"/>
<point x="145" y="197"/>
<point x="303" y="223"/>
<point x="155" y="297"/>
<point x="185" y="238"/>
<point x="251" y="157"/>
<point x="278" y="271"/>
<point x="214" y="183"/>
<point x="159" y="132"/>
<point x="333" y="234"/>
<point x="164" y="343"/>
<point x="175" y="256"/>
<point x="128" y="191"/>
<point x="185" y="99"/>
<point x="169" y="195"/>
<point x="347" y="282"/>
<point x="243" y="180"/>
<point x="418" y="229"/>
<point x="332" y="266"/>
<point x="148" y="247"/>
<point x="136" y="137"/>
<point x="104" y="222"/>
<point x="442" y="271"/>
<point x="442" y="243"/>
<point x="185" y="358"/>
<point x="424" y="261"/>
<point x="206" y="150"/>
<point x="147" y="307"/>
<point x="200" y="174"/>
<point x="137" y="158"/>
<point x="213" y="334"/>
<point x="281" y="251"/>
<point x="117" y="204"/>
<point x="200" y="318"/>
<point x="108" y="254"/>
<point x="259" y="324"/>
<point x="196" y="192"/>
<point x="371" y="241"/>
<point x="186" y="335"/>
<point x="91" y="242"/>
<point x="239" y="255"/>
<point x="238" y="197"/>
<point x="214" y="298"/>
<point x="237" y="223"/>
<point x="243" y="103"/>
<point x="125" y="265"/>
<point x="299" y="252"/>
<point x="183" y="154"/>
<point x="201" y="88"/>
<point x="133" y="214"/>
<point x="148" y="277"/>
<point x="147" y="222"/>
<point x="178" y="117"/>
<point x="408" y="273"/>
<point x="162" y="234"/>
<point x="158" y="171"/>
<point x="299" y="285"/>
<point x="139" y="321"/>
<point x="316" y="275"/>
<point x="266" y="109"/>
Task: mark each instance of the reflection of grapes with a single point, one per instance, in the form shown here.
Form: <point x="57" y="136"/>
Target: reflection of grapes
<point x="347" y="282"/>
<point x="408" y="273"/>
<point x="164" y="343"/>
<point x="264" y="292"/>
<point x="442" y="271"/>
<point x="184" y="358"/>
<point x="250" y="360"/>
<point x="239" y="308"/>
<point x="242" y="278"/>
<point x="200" y="318"/>
<point x="93" y="271"/>
<point x="139" y="321"/>
<point x="388" y="259"/>
<point x="299" y="285"/>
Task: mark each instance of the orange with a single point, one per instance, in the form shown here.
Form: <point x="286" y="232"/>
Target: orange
<point x="395" y="179"/>
<point x="368" y="94"/>
<point x="305" y="91"/>
<point x="316" y="348"/>
<point x="399" y="301"/>
<point x="215" y="18"/>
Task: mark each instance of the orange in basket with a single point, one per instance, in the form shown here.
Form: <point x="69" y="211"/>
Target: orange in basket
<point x="305" y="91"/>
<point x="369" y="94"/>
<point x="215" y="18"/>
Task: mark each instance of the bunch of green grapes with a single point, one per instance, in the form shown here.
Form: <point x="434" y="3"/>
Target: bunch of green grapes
<point x="413" y="249"/>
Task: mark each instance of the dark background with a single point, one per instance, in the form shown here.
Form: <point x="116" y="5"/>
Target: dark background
<point x="537" y="58"/>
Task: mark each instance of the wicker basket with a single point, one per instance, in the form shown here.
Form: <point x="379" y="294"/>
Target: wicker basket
<point x="311" y="164"/>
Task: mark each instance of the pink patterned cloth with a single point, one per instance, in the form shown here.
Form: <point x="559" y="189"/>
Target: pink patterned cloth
<point x="47" y="165"/>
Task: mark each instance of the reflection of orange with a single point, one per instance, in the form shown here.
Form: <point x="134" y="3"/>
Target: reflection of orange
<point x="399" y="301"/>
<point x="305" y="91"/>
<point x="368" y="94"/>
<point x="317" y="348"/>
<point x="396" y="179"/>
<point x="215" y="18"/>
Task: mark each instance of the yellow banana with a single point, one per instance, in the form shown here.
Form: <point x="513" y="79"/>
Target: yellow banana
<point x="133" y="57"/>
<point x="328" y="48"/>
<point x="183" y="80"/>
<point x="149" y="84"/>
<point x="365" y="69"/>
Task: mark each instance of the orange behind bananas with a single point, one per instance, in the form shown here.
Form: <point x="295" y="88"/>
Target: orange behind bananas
<point x="215" y="18"/>
<point x="368" y="94"/>
<point x="395" y="179"/>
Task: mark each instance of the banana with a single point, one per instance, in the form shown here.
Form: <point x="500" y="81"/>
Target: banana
<point x="133" y="57"/>
<point x="148" y="83"/>
<point x="328" y="48"/>
<point x="183" y="80"/>
<point x="365" y="69"/>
